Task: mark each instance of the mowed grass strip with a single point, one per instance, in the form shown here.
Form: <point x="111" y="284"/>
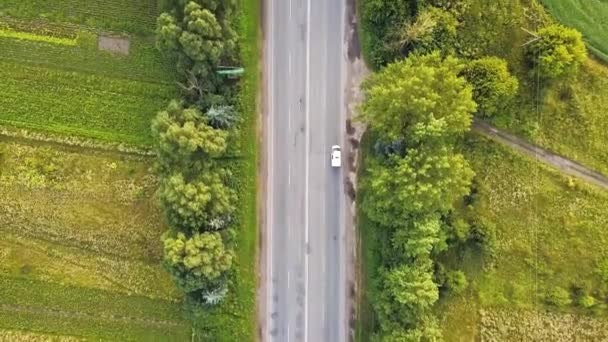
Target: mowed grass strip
<point x="588" y="16"/>
<point x="69" y="102"/>
<point x="133" y="16"/>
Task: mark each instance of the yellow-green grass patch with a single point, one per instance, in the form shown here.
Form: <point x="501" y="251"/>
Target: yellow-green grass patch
<point x="550" y="232"/>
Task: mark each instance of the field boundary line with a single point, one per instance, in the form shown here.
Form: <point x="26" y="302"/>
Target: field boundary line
<point x="80" y="314"/>
<point x="76" y="143"/>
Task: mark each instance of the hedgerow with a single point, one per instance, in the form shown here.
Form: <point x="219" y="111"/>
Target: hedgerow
<point x="197" y="138"/>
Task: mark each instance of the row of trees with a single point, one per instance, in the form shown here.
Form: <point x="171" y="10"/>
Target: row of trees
<point x="192" y="137"/>
<point x="417" y="110"/>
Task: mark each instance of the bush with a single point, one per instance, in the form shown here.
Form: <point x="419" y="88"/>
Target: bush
<point x="378" y="17"/>
<point x="558" y="297"/>
<point x="559" y="51"/>
<point x="586" y="301"/>
<point x="456" y="282"/>
<point x="493" y="85"/>
<point x="432" y="29"/>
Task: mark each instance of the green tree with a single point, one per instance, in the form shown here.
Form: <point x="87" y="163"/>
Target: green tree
<point x="198" y="204"/>
<point x="407" y="292"/>
<point x="419" y="98"/>
<point x="196" y="262"/>
<point x="559" y="51"/>
<point x="183" y="135"/>
<point x="417" y="238"/>
<point x="167" y="33"/>
<point x="200" y="36"/>
<point x="424" y="181"/>
<point x="493" y="85"/>
<point x="426" y="329"/>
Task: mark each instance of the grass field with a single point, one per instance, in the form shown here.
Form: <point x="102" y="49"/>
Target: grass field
<point x="587" y="16"/>
<point x="549" y="232"/>
<point x="80" y="248"/>
<point x="135" y="16"/>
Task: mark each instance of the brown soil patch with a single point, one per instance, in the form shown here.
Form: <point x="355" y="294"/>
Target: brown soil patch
<point x="119" y="45"/>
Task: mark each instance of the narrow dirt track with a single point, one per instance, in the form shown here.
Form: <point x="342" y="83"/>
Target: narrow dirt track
<point x="565" y="165"/>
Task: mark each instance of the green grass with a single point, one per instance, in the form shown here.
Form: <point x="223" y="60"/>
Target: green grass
<point x="75" y="103"/>
<point x="549" y="232"/>
<point x="235" y="318"/>
<point x="368" y="246"/>
<point x="134" y="16"/>
<point x="144" y="62"/>
<point x="587" y="16"/>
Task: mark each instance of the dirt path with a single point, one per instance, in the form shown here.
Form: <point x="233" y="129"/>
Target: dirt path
<point x="565" y="165"/>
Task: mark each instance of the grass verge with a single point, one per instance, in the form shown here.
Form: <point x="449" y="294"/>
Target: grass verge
<point x="235" y="318"/>
<point x="369" y="259"/>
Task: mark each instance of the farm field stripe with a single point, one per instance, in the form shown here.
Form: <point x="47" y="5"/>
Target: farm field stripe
<point x="37" y="38"/>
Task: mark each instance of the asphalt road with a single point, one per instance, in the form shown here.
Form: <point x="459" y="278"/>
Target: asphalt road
<point x="306" y="287"/>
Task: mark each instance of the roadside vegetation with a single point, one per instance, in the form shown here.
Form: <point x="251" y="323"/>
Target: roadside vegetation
<point x="206" y="153"/>
<point x="450" y="223"/>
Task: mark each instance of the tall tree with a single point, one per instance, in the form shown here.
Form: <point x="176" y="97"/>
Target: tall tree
<point x="426" y="180"/>
<point x="203" y="203"/>
<point x="184" y="136"/>
<point x="406" y="293"/>
<point x="196" y="262"/>
<point x="558" y="52"/>
<point x="418" y="98"/>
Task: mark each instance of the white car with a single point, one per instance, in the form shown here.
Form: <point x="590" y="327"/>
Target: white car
<point x="336" y="156"/>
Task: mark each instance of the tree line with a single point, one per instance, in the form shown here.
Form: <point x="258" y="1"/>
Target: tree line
<point x="192" y="139"/>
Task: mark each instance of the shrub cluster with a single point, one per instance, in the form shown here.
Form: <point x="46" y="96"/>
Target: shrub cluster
<point x="416" y="110"/>
<point x="191" y="140"/>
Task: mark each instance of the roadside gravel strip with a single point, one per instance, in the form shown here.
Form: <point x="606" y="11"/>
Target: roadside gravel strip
<point x="565" y="165"/>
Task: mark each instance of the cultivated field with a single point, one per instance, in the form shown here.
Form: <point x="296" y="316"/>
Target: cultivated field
<point x="80" y="249"/>
<point x="56" y="79"/>
<point x="589" y="17"/>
